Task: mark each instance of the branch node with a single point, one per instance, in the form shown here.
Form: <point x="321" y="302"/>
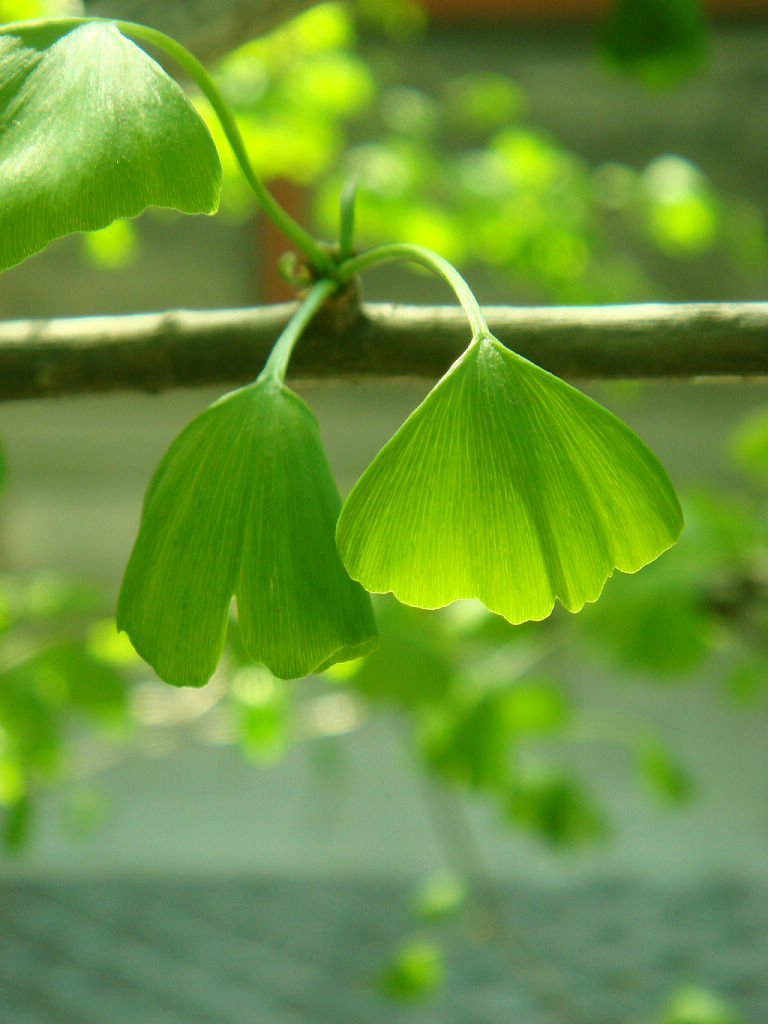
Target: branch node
<point x="342" y="312"/>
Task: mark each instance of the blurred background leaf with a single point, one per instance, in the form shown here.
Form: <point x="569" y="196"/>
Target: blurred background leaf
<point x="697" y="1006"/>
<point x="413" y="972"/>
<point x="658" y="41"/>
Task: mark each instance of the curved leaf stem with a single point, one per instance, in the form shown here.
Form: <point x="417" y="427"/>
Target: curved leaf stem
<point x="314" y="252"/>
<point x="317" y="256"/>
<point x="276" y="365"/>
<point x="427" y="258"/>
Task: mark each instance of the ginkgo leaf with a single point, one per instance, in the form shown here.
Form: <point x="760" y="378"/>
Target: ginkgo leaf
<point x="92" y="129"/>
<point x="243" y="503"/>
<point x="508" y="485"/>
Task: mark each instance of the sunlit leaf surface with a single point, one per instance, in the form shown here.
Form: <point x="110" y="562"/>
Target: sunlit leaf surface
<point x="508" y="485"/>
<point x="243" y="504"/>
<point x="92" y="129"/>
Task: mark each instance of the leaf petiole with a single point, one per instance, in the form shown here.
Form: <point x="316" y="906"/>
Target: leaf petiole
<point x="427" y="258"/>
<point x="276" y="365"/>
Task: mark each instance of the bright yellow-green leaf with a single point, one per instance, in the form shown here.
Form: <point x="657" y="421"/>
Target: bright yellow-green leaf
<point x="92" y="129"/>
<point x="112" y="247"/>
<point x="507" y="485"/>
<point x="18" y="10"/>
<point x="104" y="643"/>
<point x="440" y="897"/>
<point x="415" y="971"/>
<point x="693" y="1005"/>
<point x="244" y="504"/>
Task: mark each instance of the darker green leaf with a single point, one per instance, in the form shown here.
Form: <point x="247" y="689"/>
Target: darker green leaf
<point x="664" y="774"/>
<point x="244" y="504"/>
<point x="469" y="741"/>
<point x="30" y="719"/>
<point x="658" y="41"/>
<point x="92" y="129"/>
<point x="412" y="666"/>
<point x="89" y="685"/>
<point x="555" y="807"/>
<point x="657" y="623"/>
<point x="16" y="825"/>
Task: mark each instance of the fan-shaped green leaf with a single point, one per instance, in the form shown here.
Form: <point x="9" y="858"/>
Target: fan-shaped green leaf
<point x="92" y="129"/>
<point x="243" y="503"/>
<point x="508" y="485"/>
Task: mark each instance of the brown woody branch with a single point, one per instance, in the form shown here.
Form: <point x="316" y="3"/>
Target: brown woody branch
<point x="157" y="351"/>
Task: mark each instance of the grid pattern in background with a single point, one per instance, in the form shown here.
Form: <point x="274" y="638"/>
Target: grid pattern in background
<point x="165" y="952"/>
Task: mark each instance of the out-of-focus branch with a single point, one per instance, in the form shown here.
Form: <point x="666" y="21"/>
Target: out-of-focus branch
<point x="158" y="351"/>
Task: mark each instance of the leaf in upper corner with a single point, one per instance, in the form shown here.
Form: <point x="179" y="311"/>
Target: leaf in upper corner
<point x="92" y="129"/>
<point x="508" y="485"/>
<point x="243" y="503"/>
<point x="657" y="41"/>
